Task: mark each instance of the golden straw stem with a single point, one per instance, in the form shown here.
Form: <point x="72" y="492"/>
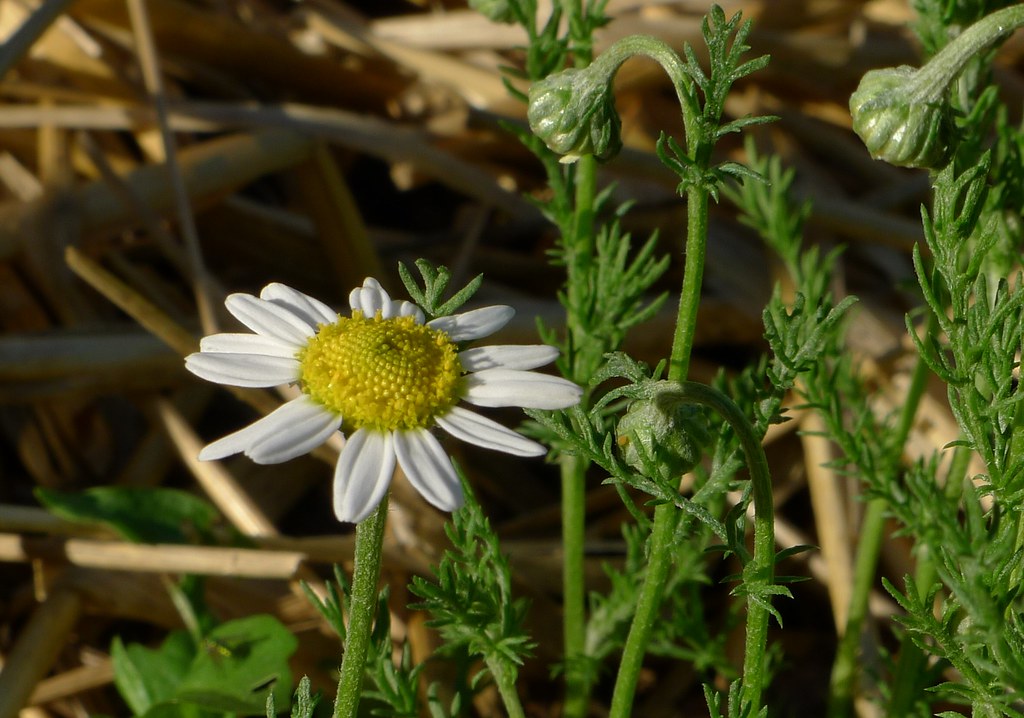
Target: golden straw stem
<point x="131" y="302"/>
<point x="150" y="64"/>
<point x="72" y="682"/>
<point x="37" y="647"/>
<point x="829" y="516"/>
<point x="219" y="485"/>
<point x="152" y="558"/>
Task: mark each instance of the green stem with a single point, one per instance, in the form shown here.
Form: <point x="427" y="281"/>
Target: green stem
<point x="577" y="683"/>
<point x="366" y="574"/>
<point x="609" y="61"/>
<point x="872" y="534"/>
<point x="844" y="669"/>
<point x="665" y="515"/>
<point x="759" y="573"/>
<point x="504" y="679"/>
<point x="585" y="356"/>
<point x="689" y="298"/>
<point x="660" y="553"/>
<point x="574" y="469"/>
<point x="931" y="81"/>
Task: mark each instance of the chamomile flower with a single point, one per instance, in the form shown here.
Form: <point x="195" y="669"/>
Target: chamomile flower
<point x="385" y="377"/>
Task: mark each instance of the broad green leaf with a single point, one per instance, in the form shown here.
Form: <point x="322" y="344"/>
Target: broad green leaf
<point x="240" y="662"/>
<point x="141" y="515"/>
<point x="146" y="677"/>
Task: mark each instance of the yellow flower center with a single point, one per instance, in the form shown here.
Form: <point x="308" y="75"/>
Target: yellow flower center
<point x="383" y="374"/>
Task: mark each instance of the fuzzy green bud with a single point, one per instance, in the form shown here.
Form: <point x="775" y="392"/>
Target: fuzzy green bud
<point x="895" y="125"/>
<point x="663" y="428"/>
<point x="573" y="111"/>
<point x="494" y="10"/>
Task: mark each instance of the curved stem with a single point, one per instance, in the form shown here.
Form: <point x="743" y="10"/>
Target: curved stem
<point x="930" y="82"/>
<point x="665" y="515"/>
<point x="759" y="573"/>
<point x="609" y="61"/>
<point x="369" y="540"/>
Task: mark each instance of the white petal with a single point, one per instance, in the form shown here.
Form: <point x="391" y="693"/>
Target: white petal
<point x="370" y="299"/>
<point x="241" y="440"/>
<point x="428" y="468"/>
<point x="481" y="431"/>
<point x="513" y="356"/>
<point x="475" y="323"/>
<point x="407" y="309"/>
<point x="308" y="425"/>
<point x="313" y="311"/>
<point x="363" y="474"/>
<point x="254" y="370"/>
<point x="528" y="389"/>
<point x="270" y="319"/>
<point x="247" y="344"/>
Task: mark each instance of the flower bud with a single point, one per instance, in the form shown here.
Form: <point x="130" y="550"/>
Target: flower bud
<point x="894" y="126"/>
<point x="662" y="428"/>
<point x="573" y="111"/>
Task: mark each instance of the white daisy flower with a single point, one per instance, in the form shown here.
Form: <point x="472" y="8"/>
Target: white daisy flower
<point x="382" y="375"/>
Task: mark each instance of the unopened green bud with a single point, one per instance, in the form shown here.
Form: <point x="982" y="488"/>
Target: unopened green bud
<point x="495" y="10"/>
<point x="662" y="428"/>
<point x="895" y="125"/>
<point x="573" y="111"/>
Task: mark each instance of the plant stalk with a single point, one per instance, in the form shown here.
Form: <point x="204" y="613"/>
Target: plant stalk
<point x="759" y="573"/>
<point x="504" y="680"/>
<point x="931" y="81"/>
<point x="574" y="469"/>
<point x="665" y="516"/>
<point x="577" y="684"/>
<point x="366" y="574"/>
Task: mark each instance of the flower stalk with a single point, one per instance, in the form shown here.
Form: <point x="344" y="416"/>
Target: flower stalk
<point x="573" y="111"/>
<point x="758" y="573"/>
<point x="366" y="574"/>
<point x="665" y="515"/>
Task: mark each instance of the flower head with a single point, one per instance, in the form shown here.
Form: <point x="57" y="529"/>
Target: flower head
<point x="573" y="111"/>
<point x="384" y="376"/>
<point x="896" y="125"/>
<point x="660" y="427"/>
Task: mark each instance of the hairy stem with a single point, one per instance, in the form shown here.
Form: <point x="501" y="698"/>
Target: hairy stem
<point x="931" y="81"/>
<point x="609" y="61"/>
<point x="577" y="684"/>
<point x="583" y="362"/>
<point x="665" y="515"/>
<point x="574" y="469"/>
<point x="759" y="573"/>
<point x="504" y="679"/>
<point x="369" y="540"/>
